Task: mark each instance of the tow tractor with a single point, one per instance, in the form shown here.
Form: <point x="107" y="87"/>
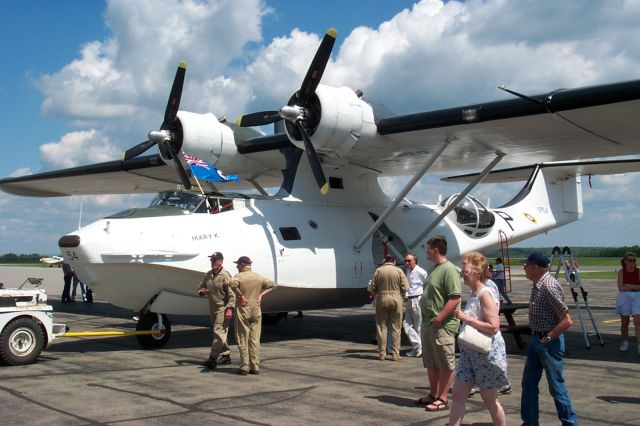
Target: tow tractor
<point x="27" y="327"/>
<point x="26" y="324"/>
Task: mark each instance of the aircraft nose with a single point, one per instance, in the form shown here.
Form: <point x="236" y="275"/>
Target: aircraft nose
<point x="69" y="241"/>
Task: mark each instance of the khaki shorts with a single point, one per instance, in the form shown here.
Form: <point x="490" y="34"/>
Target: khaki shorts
<point x="438" y="347"/>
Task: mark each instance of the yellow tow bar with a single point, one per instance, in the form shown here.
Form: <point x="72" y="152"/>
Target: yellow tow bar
<point x="111" y="333"/>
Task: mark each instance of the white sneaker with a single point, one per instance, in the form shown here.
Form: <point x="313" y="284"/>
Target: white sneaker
<point x="412" y="353"/>
<point x="419" y="353"/>
<point x="624" y="346"/>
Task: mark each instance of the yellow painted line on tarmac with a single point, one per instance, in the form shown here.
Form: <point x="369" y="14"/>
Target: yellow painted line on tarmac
<point x="611" y="321"/>
<point x="111" y="333"/>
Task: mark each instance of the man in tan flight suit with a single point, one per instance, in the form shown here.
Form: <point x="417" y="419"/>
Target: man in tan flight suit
<point x="389" y="284"/>
<point x="250" y="288"/>
<point x="222" y="300"/>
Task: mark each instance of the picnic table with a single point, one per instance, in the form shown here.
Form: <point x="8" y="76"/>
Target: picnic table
<point x="517" y="330"/>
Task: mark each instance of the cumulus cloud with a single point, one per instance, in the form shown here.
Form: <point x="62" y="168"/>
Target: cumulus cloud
<point x="77" y="148"/>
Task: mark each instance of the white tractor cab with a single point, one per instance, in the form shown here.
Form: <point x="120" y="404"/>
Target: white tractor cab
<point x="26" y="325"/>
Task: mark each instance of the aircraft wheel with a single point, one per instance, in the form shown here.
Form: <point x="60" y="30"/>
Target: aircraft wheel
<point x="21" y="341"/>
<point x="149" y="321"/>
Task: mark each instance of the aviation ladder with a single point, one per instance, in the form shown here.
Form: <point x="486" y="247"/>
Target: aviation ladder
<point x="572" y="275"/>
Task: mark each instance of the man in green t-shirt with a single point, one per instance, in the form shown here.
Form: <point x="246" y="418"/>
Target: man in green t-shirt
<point x="442" y="293"/>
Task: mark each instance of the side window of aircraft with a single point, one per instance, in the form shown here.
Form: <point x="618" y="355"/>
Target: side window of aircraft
<point x="471" y="216"/>
<point x="335" y="183"/>
<point x="290" y="233"/>
<point x="219" y="205"/>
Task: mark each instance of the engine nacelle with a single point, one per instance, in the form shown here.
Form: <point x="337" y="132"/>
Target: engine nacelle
<point x="344" y="120"/>
<point x="203" y="136"/>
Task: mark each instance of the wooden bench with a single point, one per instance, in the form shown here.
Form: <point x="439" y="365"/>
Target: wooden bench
<point x="517" y="330"/>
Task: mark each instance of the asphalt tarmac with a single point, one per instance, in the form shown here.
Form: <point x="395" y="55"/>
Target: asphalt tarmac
<point x="319" y="369"/>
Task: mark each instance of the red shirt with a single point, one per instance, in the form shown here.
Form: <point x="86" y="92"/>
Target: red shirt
<point x="632" y="277"/>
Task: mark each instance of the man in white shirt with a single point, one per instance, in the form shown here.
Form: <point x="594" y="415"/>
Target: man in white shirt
<point x="412" y="313"/>
<point x="499" y="279"/>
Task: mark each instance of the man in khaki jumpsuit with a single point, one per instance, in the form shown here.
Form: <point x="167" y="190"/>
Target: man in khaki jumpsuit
<point x="222" y="300"/>
<point x="250" y="288"/>
<point x="390" y="284"/>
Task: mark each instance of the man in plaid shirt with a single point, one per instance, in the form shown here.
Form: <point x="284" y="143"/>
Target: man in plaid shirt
<point x="549" y="318"/>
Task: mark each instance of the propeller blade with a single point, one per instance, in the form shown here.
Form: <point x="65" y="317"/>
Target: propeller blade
<point x="314" y="161"/>
<point x="182" y="173"/>
<point x="173" y="104"/>
<point x="137" y="150"/>
<point x="316" y="69"/>
<point x="258" y="118"/>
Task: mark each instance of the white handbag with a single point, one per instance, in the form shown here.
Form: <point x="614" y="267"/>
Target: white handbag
<point x="475" y="340"/>
<point x="472" y="338"/>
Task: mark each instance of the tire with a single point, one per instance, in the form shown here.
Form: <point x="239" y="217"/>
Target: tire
<point x="149" y="321"/>
<point x="21" y="341"/>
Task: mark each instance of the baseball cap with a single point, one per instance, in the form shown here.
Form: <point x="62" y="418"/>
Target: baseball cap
<point x="217" y="256"/>
<point x="538" y="259"/>
<point x="243" y="259"/>
<point x="389" y="258"/>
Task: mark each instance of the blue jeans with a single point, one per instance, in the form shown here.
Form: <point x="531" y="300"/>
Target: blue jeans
<point x="502" y="290"/>
<point x="549" y="358"/>
<point x="76" y="281"/>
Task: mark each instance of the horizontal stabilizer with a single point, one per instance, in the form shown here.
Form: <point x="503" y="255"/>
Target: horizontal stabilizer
<point x="559" y="168"/>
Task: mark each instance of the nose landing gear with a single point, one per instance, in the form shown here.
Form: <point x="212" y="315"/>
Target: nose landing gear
<point x="153" y="321"/>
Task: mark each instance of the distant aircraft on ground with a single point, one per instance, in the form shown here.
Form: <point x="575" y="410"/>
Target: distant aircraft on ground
<point x="321" y="236"/>
<point x="51" y="261"/>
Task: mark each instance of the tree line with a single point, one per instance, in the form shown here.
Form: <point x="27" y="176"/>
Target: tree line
<point x="21" y="258"/>
<point x="575" y="251"/>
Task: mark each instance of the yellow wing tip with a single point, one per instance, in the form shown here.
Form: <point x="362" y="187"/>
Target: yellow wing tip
<point x="182" y="64"/>
<point x="324" y="189"/>
<point x="239" y="121"/>
<point x="123" y="154"/>
<point x="332" y="32"/>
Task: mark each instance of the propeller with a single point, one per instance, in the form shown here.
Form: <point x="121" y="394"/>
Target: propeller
<point x="169" y="137"/>
<point x="300" y="110"/>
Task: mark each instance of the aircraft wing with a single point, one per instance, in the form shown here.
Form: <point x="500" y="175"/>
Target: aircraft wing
<point x="560" y="168"/>
<point x="563" y="125"/>
<point x="585" y="123"/>
<point x="137" y="175"/>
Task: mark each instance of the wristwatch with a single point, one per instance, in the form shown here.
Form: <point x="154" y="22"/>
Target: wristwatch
<point x="546" y="339"/>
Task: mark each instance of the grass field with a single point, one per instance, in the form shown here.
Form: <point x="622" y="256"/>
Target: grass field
<point x="24" y="265"/>
<point x="591" y="268"/>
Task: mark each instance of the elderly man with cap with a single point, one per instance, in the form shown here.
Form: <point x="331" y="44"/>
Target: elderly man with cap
<point x="389" y="284"/>
<point x="222" y="300"/>
<point x="250" y="289"/>
<point x="549" y="318"/>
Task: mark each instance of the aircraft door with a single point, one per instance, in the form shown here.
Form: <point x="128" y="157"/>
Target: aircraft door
<point x="395" y="246"/>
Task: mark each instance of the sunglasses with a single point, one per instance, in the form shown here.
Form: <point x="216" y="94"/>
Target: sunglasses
<point x="630" y="260"/>
<point x="408" y="260"/>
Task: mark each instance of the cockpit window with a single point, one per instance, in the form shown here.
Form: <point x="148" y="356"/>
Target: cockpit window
<point x="184" y="200"/>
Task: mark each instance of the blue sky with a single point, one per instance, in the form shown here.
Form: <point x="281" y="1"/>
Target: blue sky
<point x="84" y="80"/>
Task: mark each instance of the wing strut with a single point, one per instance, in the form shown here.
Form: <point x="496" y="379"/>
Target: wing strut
<point x="459" y="198"/>
<point x="403" y="193"/>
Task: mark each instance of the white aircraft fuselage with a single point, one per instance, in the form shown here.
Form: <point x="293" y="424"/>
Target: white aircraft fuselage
<point x="157" y="256"/>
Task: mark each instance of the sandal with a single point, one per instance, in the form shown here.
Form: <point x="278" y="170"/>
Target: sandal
<point x="425" y="400"/>
<point x="437" y="405"/>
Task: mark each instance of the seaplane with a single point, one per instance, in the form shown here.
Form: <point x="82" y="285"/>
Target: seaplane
<point x="51" y="261"/>
<point x="323" y="230"/>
